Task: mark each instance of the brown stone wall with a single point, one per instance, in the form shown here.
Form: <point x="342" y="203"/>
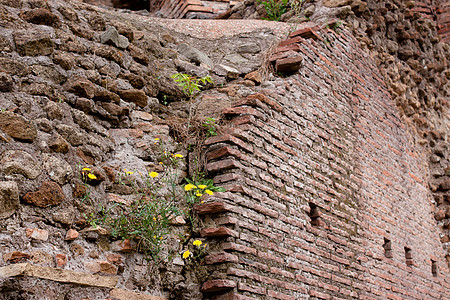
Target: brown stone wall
<point x="326" y="196"/>
<point x="440" y="12"/>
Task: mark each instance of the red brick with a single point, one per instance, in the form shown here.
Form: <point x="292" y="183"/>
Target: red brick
<point x="61" y="260"/>
<point x="251" y="288"/>
<point x="218" y="232"/>
<point x="212" y="208"/>
<point x="222" y="257"/>
<point x="218" y="285"/>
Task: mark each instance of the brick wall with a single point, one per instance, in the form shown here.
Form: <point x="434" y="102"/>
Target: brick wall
<point x="189" y="9"/>
<point x="326" y="195"/>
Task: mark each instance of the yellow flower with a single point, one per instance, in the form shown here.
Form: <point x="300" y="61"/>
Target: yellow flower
<point x="129" y="173"/>
<point x="178" y="155"/>
<point x="154" y="218"/>
<point x="204" y="245"/>
<point x="160" y="162"/>
<point x="198" y="194"/>
<point x="202" y="186"/>
<point x="86" y="169"/>
<point x="203" y="202"/>
<point x="154" y="236"/>
<point x="186" y="254"/>
<point x="92" y="176"/>
<point x="189" y="187"/>
<point x="161" y="238"/>
<point x="209" y="192"/>
<point x="156" y="139"/>
<point x="197" y="243"/>
<point x="153" y="174"/>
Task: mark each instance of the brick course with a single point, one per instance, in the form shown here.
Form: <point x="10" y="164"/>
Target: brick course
<point x="318" y="172"/>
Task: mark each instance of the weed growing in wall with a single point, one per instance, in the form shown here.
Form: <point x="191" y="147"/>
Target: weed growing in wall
<point x="158" y="200"/>
<point x="211" y="127"/>
<point x="274" y="8"/>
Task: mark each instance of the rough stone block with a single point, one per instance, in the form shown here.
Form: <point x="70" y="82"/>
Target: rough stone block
<point x="41" y="16"/>
<point x="127" y="295"/>
<point x="33" y="42"/>
<point x="37" y="234"/>
<point x="9" y="198"/>
<point x="49" y="194"/>
<point x="17" y="126"/>
<point x="59" y="275"/>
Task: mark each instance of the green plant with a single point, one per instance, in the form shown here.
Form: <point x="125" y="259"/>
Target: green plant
<point x="147" y="220"/>
<point x="275" y="9"/>
<point x="296" y="8"/>
<point x="190" y="84"/>
<point x="194" y="192"/>
<point x="197" y="252"/>
<point x="211" y="127"/>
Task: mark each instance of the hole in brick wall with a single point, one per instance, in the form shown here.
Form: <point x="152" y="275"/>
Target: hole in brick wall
<point x="314" y="214"/>
<point x="434" y="268"/>
<point x="408" y="256"/>
<point x="387" y="248"/>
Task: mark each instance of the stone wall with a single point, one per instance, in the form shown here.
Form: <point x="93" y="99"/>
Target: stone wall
<point x="81" y="88"/>
<point x="326" y="198"/>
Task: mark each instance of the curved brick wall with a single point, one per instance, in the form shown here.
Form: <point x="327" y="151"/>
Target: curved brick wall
<point x="326" y="197"/>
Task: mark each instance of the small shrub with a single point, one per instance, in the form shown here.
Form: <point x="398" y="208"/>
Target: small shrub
<point x="211" y="127"/>
<point x="275" y="9"/>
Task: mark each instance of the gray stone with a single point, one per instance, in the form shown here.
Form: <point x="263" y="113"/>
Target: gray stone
<point x="249" y="48"/>
<point x="112" y="37"/>
<point x="58" y="170"/>
<point x="70" y="134"/>
<point x="33" y="42"/>
<point x="235" y="59"/>
<point x="9" y="198"/>
<point x="227" y="71"/>
<point x="19" y="162"/>
<point x="196" y="56"/>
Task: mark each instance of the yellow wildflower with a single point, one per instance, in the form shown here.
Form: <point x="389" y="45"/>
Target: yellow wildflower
<point x="189" y="187"/>
<point x="161" y="238"/>
<point x="179" y="155"/>
<point x="209" y="192"/>
<point x="186" y="254"/>
<point x="156" y="139"/>
<point x="202" y="186"/>
<point x="153" y="174"/>
<point x="203" y="202"/>
<point x="154" y="218"/>
<point x="199" y="194"/>
<point x="86" y="169"/>
<point x="197" y="243"/>
<point x="130" y="173"/>
<point x="160" y="162"/>
<point x="154" y="236"/>
<point x="92" y="176"/>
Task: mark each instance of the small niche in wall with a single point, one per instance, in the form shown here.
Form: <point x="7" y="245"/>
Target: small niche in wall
<point x="387" y="248"/>
<point x="434" y="268"/>
<point x="314" y="214"/>
<point x="408" y="257"/>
